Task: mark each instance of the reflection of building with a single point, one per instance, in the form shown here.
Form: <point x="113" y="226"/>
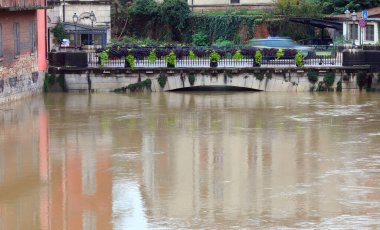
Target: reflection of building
<point x="89" y="29"/>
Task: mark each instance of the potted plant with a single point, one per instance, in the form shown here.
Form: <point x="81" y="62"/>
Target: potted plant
<point x="130" y="61"/>
<point x="214" y="58"/>
<point x="103" y="56"/>
<point x="170" y="60"/>
<point x="299" y="60"/>
<point x="258" y="58"/>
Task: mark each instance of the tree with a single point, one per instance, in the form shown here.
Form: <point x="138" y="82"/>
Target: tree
<point x="339" y="6"/>
<point x="59" y="33"/>
<point x="175" y="13"/>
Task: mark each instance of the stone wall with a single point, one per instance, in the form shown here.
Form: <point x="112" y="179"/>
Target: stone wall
<point x="284" y="80"/>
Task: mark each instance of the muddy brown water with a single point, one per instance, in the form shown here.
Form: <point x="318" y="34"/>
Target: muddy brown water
<point x="191" y="160"/>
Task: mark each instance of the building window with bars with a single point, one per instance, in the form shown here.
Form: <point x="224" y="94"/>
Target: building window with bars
<point x="32" y="36"/>
<point x="235" y="1"/>
<point x="370" y="33"/>
<point x="354" y="31"/>
<point x="16" y="38"/>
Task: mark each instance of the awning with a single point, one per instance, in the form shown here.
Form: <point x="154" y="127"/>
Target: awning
<point x="84" y="29"/>
<point x="318" y="23"/>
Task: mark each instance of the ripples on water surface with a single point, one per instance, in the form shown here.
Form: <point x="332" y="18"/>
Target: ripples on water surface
<point x="233" y="160"/>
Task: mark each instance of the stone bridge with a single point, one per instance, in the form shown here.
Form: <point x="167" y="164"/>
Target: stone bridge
<point x="290" y="79"/>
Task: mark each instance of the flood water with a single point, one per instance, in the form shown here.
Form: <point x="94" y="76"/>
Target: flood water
<point x="191" y="160"/>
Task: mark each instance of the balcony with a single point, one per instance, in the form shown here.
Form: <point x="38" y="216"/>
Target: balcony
<point x="20" y="5"/>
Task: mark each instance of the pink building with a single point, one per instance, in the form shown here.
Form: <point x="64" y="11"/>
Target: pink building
<point x="22" y="47"/>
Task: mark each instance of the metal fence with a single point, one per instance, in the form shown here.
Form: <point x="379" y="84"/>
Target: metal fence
<point x="324" y="56"/>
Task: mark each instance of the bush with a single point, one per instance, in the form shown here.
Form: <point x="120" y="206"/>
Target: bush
<point x="223" y="43"/>
<point x="200" y="39"/>
<point x="312" y="75"/>
<point x="329" y="79"/>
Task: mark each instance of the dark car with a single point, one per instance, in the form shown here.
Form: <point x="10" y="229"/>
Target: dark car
<point x="282" y="43"/>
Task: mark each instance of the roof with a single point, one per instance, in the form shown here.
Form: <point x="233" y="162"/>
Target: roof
<point x="372" y="13"/>
<point x="318" y="22"/>
<point x="70" y="27"/>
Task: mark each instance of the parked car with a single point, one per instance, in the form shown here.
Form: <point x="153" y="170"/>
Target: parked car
<point x="282" y="43"/>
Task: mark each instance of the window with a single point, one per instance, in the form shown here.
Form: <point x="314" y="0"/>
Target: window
<point x="354" y="31"/>
<point x="370" y="33"/>
<point x="1" y="41"/>
<point x="235" y="1"/>
<point x="32" y="36"/>
<point x="16" y="38"/>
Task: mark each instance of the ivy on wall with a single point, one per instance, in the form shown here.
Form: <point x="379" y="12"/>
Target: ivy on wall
<point x="221" y="26"/>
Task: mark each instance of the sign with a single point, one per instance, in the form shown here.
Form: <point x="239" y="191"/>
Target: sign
<point x="362" y="23"/>
<point x="365" y="14"/>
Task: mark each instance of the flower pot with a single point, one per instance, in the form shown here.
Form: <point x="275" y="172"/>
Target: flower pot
<point x="127" y="65"/>
<point x="169" y="65"/>
<point x="213" y="64"/>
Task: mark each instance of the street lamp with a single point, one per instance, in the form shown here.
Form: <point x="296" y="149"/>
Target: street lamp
<point x="348" y="15"/>
<point x="92" y="18"/>
<point x="75" y="20"/>
<point x="353" y="16"/>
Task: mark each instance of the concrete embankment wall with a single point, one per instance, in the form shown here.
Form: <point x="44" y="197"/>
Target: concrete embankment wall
<point x="284" y="80"/>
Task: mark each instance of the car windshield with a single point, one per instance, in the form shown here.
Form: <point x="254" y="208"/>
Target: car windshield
<point x="274" y="43"/>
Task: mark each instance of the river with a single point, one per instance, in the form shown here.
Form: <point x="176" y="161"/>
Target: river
<point x="191" y="160"/>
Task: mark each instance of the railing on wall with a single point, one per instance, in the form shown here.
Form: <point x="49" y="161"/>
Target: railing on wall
<point x="322" y="57"/>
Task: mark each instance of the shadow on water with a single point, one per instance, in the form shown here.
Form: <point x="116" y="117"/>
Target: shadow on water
<point x="215" y="88"/>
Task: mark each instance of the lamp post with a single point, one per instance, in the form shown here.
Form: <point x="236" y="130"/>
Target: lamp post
<point x="347" y="13"/>
<point x="353" y="17"/>
<point x="92" y="18"/>
<point x="75" y="20"/>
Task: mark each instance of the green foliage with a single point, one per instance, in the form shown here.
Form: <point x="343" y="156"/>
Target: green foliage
<point x="131" y="61"/>
<point x="237" y="56"/>
<point x="223" y="43"/>
<point x="162" y="79"/>
<point x="59" y="32"/>
<point x="170" y="59"/>
<point x="103" y="56"/>
<point x="361" y="79"/>
<point x="258" y="58"/>
<point x="339" y="6"/>
<point x="175" y="13"/>
<point x="152" y="57"/>
<point x="329" y="79"/>
<point x="136" y="87"/>
<point x="192" y="55"/>
<point x="279" y="53"/>
<point x="214" y="56"/>
<point x="299" y="60"/>
<point x="223" y="26"/>
<point x="339" y="86"/>
<point x="259" y="76"/>
<point x="51" y="79"/>
<point x="200" y="39"/>
<point x="268" y="75"/>
<point x="191" y="79"/>
<point x="144" y="8"/>
<point x="312" y="75"/>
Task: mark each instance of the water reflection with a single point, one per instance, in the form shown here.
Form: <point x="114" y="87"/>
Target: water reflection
<point x="190" y="160"/>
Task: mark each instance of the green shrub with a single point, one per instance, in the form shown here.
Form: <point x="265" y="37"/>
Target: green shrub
<point x="103" y="56"/>
<point x="162" y="79"/>
<point x="259" y="76"/>
<point x="237" y="56"/>
<point x="191" y="79"/>
<point x="192" y="55"/>
<point x="131" y="61"/>
<point x="223" y="43"/>
<point x="329" y="79"/>
<point x="170" y="59"/>
<point x="279" y="53"/>
<point x="299" y="59"/>
<point x="258" y="58"/>
<point x="214" y="56"/>
<point x="200" y="39"/>
<point x="312" y="75"/>
<point x="152" y="56"/>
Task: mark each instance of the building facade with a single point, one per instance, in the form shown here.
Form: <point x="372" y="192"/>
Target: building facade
<point x="92" y="29"/>
<point x="22" y="47"/>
